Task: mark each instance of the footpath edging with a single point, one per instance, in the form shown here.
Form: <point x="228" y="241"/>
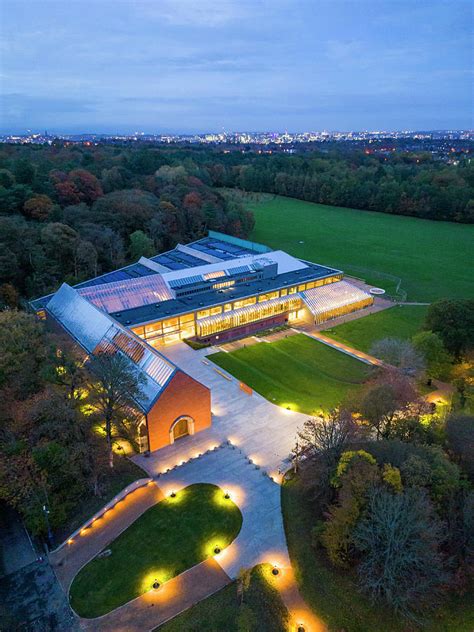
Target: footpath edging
<point x="138" y="484"/>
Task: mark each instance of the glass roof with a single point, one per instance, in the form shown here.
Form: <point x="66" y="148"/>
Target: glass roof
<point x="97" y="332"/>
<point x="129" y="293"/>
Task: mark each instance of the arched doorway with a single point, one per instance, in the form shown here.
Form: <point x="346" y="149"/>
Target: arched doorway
<point x="143" y="436"/>
<point x="181" y="427"/>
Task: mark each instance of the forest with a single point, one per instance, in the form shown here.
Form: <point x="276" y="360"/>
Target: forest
<point x="69" y="211"/>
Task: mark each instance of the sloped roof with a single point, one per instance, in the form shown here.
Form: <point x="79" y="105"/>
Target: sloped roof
<point x="97" y="332"/>
<point x="332" y="296"/>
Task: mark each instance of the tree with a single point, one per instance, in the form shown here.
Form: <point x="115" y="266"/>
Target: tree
<point x="24" y="171"/>
<point x="399" y="353"/>
<point x="463" y="379"/>
<point x="460" y="440"/>
<point x="328" y="435"/>
<point x="386" y="399"/>
<point x="399" y="541"/>
<point x="437" y="360"/>
<point x="38" y="207"/>
<point x="115" y="393"/>
<point x="24" y="350"/>
<point x="453" y="321"/>
<point x="140" y="245"/>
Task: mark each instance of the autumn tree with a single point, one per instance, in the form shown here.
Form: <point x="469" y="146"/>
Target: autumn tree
<point x="116" y="390"/>
<point x="38" y="207"/>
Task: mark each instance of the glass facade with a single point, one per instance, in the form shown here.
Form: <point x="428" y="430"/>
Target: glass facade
<point x="237" y="313"/>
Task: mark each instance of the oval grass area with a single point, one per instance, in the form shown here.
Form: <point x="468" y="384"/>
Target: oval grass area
<point x="174" y="535"/>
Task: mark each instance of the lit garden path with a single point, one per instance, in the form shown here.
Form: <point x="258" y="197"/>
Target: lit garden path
<point x="262" y="537"/>
<point x="341" y="346"/>
<point x="157" y="606"/>
<point x="68" y="560"/>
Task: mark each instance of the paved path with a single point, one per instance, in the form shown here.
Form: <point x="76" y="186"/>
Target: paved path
<point x="261" y="429"/>
<point x="340" y="346"/>
<point x="157" y="606"/>
<point x="68" y="560"/>
<point x="262" y="537"/>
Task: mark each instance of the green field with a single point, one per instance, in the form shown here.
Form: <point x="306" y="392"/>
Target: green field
<point x="334" y="595"/>
<point x="174" y="535"/>
<point x="433" y="259"/>
<point x="401" y="321"/>
<point x="297" y="371"/>
<point x="262" y="609"/>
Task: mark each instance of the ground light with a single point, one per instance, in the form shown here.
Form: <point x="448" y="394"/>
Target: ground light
<point x="300" y="628"/>
<point x="275" y="570"/>
<point x="217" y="549"/>
<point x="227" y="495"/>
<point x="173" y="495"/>
<point x="156" y="584"/>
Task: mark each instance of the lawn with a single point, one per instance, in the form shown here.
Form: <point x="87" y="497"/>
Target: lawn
<point x="262" y="609"/>
<point x="433" y="259"/>
<point x="401" y="321"/>
<point x="296" y="371"/>
<point x="174" y="535"/>
<point x="334" y="595"/>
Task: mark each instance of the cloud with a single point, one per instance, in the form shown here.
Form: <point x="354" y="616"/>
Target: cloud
<point x="198" y="13"/>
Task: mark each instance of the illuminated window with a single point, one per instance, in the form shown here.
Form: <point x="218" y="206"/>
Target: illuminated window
<point x="283" y="292"/>
<point x="187" y="318"/>
<point x="222" y="285"/>
<point x="292" y="290"/>
<point x="227" y="307"/>
<point x="302" y="287"/>
<point x="203" y="313"/>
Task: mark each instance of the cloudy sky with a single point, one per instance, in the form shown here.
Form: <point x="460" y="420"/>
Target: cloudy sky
<point x="208" y="65"/>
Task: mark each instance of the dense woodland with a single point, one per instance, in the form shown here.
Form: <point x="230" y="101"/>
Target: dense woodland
<point x="71" y="211"/>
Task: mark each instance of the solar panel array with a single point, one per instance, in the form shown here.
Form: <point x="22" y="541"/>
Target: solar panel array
<point x="177" y="260"/>
<point x="221" y="249"/>
<point x="135" y="271"/>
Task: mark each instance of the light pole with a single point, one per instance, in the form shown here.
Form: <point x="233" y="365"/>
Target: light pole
<point x="50" y="535"/>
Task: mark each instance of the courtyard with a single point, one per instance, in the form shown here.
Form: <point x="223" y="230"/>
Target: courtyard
<point x="296" y="372"/>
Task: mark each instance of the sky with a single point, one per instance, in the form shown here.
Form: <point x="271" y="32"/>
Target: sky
<point x="183" y="66"/>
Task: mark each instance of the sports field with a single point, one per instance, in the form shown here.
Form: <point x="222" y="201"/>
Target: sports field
<point x="297" y="371"/>
<point x="432" y="258"/>
<point x="400" y="321"/>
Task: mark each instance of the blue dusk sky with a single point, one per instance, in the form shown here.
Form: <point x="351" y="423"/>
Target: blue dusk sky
<point x="208" y="65"/>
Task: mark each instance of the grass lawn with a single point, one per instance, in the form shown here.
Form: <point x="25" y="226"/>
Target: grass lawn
<point x="174" y="535"/>
<point x="432" y="258"/>
<point x="334" y="596"/>
<point x="262" y="609"/>
<point x="401" y="321"/>
<point x="296" y="371"/>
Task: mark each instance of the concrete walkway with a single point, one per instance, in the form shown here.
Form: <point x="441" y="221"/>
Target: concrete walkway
<point x="262" y="537"/>
<point x="157" y="606"/>
<point x="68" y="560"/>
<point x="340" y="346"/>
<point x="261" y="429"/>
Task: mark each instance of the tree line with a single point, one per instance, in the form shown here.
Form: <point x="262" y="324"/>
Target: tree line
<point x="410" y="184"/>
<point x="68" y="213"/>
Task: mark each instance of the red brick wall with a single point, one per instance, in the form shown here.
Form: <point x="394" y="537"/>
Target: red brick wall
<point x="182" y="396"/>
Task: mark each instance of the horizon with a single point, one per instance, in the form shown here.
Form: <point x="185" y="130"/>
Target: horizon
<point x="180" y="68"/>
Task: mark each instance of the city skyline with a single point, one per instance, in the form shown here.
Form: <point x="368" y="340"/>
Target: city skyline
<point x="183" y="68"/>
